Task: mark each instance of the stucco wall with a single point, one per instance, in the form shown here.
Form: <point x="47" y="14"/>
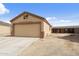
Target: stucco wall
<point x="47" y="29"/>
<point x="76" y="30"/>
<point x="4" y="30"/>
<point x="29" y="18"/>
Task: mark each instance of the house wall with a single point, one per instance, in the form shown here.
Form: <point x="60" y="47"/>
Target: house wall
<point x="63" y="30"/>
<point x="29" y="19"/>
<point x="47" y="29"/>
<point x="4" y="30"/>
<point x="76" y="30"/>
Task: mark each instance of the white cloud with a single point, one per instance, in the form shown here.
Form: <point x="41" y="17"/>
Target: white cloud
<point x="3" y="9"/>
<point x="58" y="22"/>
<point x="54" y="18"/>
<point x="66" y="21"/>
<point x="4" y="20"/>
<point x="48" y="18"/>
<point x="51" y="18"/>
<point x="7" y="21"/>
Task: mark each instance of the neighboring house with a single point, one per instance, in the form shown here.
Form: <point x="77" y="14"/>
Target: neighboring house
<point x="66" y="29"/>
<point x="30" y="25"/>
<point x="4" y="28"/>
<point x="76" y="29"/>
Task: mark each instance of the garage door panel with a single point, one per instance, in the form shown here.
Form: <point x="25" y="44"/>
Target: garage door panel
<point x="29" y="30"/>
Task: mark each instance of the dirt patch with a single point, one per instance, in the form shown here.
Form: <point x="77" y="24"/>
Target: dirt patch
<point x="53" y="45"/>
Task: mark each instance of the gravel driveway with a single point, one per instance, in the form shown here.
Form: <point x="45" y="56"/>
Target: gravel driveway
<point x="14" y="45"/>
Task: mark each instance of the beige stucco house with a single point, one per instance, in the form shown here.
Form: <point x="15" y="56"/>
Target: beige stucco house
<point x="30" y="25"/>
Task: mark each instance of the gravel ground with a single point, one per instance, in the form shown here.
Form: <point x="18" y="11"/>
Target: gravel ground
<point x="54" y="45"/>
<point x="11" y="46"/>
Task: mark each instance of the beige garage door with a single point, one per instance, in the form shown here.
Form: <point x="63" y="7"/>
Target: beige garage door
<point x="29" y="30"/>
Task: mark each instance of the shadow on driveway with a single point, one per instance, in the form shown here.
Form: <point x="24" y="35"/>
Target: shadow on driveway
<point x="71" y="37"/>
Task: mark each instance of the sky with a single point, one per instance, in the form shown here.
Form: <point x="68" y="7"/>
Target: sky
<point x="57" y="14"/>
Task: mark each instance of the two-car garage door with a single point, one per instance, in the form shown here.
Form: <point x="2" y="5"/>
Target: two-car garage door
<point x="29" y="30"/>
